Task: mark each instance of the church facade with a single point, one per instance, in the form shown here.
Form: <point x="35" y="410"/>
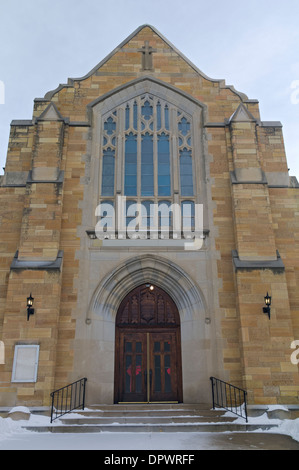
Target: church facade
<point x="148" y="211"/>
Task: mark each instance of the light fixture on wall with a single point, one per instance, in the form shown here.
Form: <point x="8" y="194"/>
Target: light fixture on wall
<point x="267" y="309"/>
<point x="30" y="309"/>
<point x="150" y="286"/>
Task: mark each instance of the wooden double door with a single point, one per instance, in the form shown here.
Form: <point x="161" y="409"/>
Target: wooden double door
<point x="148" y="353"/>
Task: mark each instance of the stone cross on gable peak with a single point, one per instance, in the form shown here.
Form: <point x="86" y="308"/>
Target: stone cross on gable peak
<point x="147" y="56"/>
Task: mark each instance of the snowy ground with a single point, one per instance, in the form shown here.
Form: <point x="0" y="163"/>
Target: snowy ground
<point x="14" y="437"/>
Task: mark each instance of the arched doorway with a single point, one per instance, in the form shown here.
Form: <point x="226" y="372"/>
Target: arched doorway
<point x="148" y="366"/>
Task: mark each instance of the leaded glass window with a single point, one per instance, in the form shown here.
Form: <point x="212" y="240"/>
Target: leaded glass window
<point x="108" y="173"/>
<point x="164" y="216"/>
<point x="147" y="214"/>
<point x="188" y="215"/>
<point x="164" y="185"/>
<point x="147" y="165"/>
<point x="131" y="214"/>
<point x="186" y="172"/>
<point x="108" y="161"/>
<point x="185" y="156"/>
<point x="131" y="165"/>
<point x="147" y="155"/>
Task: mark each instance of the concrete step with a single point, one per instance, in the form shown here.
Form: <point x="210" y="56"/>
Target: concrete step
<point x="146" y="414"/>
<point x="146" y="428"/>
<point x="181" y="413"/>
<point x="147" y="418"/>
<point x="150" y="413"/>
<point x="127" y="420"/>
<point x="150" y="406"/>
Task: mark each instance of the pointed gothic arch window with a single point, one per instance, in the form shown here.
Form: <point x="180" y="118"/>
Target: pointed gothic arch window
<point x="147" y="155"/>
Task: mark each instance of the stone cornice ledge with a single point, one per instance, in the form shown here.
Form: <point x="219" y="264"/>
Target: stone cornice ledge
<point x="234" y="179"/>
<point x="274" y="265"/>
<point x="37" y="265"/>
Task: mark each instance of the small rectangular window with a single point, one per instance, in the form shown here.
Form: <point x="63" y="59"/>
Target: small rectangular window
<point x="163" y="166"/>
<point x="131" y="165"/>
<point x="166" y="118"/>
<point x="135" y="116"/>
<point x="25" y="363"/>
<point x="108" y="173"/>
<point x="147" y="166"/>
<point x="127" y="117"/>
<point x="186" y="173"/>
<point x="188" y="215"/>
<point x="147" y="213"/>
<point x="159" y="122"/>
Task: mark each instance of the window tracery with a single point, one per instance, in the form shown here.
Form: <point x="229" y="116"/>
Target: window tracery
<point x="149" y="143"/>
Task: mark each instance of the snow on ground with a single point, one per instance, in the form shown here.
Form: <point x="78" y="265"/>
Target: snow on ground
<point x="14" y="437"/>
<point x="286" y="427"/>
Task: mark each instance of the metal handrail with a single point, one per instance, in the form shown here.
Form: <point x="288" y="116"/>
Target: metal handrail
<point x="68" y="398"/>
<point x="229" y="397"/>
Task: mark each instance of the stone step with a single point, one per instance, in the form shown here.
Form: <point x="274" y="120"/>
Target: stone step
<point x="146" y="428"/>
<point x="180" y="413"/>
<point x="145" y="414"/>
<point x="143" y="420"/>
<point x="150" y="406"/>
<point x="148" y="418"/>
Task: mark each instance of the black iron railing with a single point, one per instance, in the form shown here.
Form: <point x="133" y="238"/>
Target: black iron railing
<point x="229" y="397"/>
<point x="68" y="398"/>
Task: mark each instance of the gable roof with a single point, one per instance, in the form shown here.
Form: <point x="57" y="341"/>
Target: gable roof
<point x="131" y="36"/>
<point x="71" y="81"/>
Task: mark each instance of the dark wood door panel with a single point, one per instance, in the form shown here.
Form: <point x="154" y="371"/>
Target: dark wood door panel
<point x="148" y="348"/>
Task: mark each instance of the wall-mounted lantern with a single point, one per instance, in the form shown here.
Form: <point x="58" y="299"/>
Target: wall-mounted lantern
<point x="150" y="287"/>
<point x="267" y="309"/>
<point x="30" y="309"/>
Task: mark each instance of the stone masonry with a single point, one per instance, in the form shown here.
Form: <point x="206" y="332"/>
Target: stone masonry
<point x="251" y="214"/>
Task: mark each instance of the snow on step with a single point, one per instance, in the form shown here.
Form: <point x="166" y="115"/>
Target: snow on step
<point x="147" y="418"/>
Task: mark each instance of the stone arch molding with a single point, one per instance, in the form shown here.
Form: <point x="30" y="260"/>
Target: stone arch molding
<point x="141" y="270"/>
<point x="146" y="84"/>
